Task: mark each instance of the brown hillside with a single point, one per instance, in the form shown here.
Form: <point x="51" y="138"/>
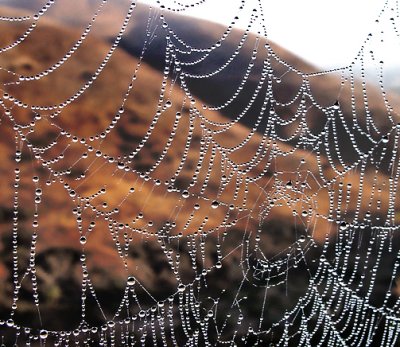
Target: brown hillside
<point x="120" y="189"/>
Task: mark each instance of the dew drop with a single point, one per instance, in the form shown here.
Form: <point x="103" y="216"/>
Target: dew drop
<point x="131" y="281"/>
<point x="215" y="204"/>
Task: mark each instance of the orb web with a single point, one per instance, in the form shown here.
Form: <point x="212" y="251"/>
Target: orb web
<point x="165" y="186"/>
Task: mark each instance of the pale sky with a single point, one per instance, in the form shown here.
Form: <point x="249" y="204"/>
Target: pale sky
<point x="328" y="33"/>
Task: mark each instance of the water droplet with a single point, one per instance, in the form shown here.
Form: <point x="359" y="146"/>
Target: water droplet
<point x="131" y="281"/>
<point x="336" y="105"/>
<point x="215" y="204"/>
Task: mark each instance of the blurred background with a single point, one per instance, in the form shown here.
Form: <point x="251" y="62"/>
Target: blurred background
<point x="265" y="209"/>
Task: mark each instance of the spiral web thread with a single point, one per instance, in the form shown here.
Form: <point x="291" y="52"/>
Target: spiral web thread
<point x="336" y="184"/>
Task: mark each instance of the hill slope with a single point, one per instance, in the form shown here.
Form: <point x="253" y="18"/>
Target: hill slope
<point x="122" y="181"/>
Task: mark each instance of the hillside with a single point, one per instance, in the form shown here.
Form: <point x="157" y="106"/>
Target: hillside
<point x="290" y="77"/>
<point x="130" y="199"/>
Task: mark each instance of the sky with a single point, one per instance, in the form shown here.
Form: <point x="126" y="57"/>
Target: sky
<point x="327" y="33"/>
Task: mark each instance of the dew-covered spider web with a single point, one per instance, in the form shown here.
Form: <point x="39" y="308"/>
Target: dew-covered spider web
<point x="166" y="181"/>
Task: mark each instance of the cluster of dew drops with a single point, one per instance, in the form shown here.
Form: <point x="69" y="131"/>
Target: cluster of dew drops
<point x="177" y="60"/>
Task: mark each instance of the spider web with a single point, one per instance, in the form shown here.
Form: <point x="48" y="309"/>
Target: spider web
<point x="266" y="216"/>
